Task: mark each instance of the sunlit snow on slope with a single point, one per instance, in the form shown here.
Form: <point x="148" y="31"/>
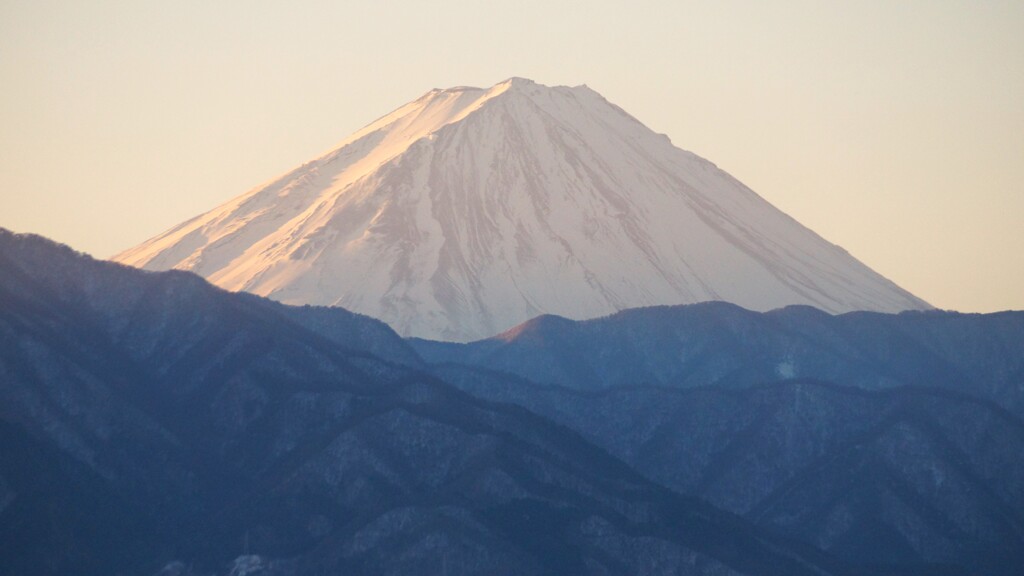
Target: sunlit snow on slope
<point x="468" y="211"/>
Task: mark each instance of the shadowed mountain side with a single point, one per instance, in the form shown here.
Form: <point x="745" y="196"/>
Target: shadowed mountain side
<point x="724" y="345"/>
<point x="352" y="331"/>
<point x="212" y="428"/>
<point x="893" y="476"/>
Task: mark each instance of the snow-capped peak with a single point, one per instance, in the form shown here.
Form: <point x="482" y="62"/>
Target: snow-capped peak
<point x="470" y="210"/>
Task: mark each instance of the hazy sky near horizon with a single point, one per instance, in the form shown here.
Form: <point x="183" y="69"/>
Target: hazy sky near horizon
<point x="894" y="129"/>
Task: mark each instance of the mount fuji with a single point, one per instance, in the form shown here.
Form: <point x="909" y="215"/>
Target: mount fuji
<point x="470" y="210"/>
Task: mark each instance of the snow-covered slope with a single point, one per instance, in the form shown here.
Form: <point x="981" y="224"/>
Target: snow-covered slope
<point x="469" y="210"/>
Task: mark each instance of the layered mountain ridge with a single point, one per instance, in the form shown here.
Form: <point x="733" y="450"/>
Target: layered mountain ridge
<point x="723" y="345"/>
<point x="882" y="438"/>
<point x="469" y="210"/>
<point x="151" y="422"/>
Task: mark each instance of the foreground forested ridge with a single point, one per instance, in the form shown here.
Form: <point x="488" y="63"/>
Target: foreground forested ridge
<point x="150" y="420"/>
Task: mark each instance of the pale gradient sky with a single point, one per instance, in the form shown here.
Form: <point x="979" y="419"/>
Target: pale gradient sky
<point x="894" y="129"/>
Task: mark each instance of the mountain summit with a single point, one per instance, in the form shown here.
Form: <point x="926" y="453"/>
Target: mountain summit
<point x="470" y="210"/>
